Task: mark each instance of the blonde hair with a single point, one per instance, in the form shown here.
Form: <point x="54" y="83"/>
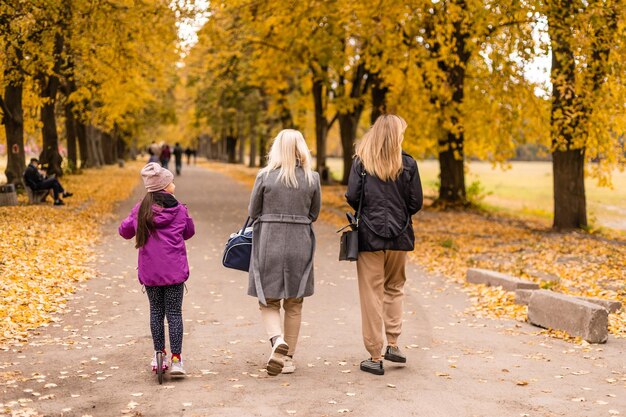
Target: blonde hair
<point x="289" y="150"/>
<point x="380" y="149"/>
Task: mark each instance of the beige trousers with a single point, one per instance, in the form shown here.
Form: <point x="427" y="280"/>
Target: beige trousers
<point x="270" y="315"/>
<point x="381" y="290"/>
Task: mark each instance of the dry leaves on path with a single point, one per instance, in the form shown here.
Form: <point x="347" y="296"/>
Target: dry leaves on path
<point x="44" y="249"/>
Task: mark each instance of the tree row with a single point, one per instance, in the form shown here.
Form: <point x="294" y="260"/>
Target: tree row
<point x="94" y="73"/>
<point x="457" y="70"/>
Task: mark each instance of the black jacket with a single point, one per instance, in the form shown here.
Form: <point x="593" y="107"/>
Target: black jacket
<point x="387" y="207"/>
<point x="32" y="177"/>
<point x="178" y="153"/>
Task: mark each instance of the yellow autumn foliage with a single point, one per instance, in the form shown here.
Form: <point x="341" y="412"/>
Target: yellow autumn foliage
<point x="45" y="250"/>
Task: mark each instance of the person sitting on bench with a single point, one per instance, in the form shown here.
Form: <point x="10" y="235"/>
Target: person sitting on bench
<point x="37" y="182"/>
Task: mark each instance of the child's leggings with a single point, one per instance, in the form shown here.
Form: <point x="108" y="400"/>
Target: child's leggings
<point x="166" y="301"/>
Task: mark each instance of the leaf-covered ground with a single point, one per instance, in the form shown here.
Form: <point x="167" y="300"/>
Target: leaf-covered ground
<point x="449" y="243"/>
<point x="44" y="250"/>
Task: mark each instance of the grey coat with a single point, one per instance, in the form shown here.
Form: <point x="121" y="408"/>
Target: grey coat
<point x="283" y="242"/>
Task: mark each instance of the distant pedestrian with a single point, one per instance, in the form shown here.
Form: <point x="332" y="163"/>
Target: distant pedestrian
<point x="285" y="202"/>
<point x="178" y="158"/>
<point x="166" y="154"/>
<point x="393" y="193"/>
<point x="153" y="157"/>
<point x="155" y="152"/>
<point x="160" y="226"/>
<point x="188" y="152"/>
<point x="36" y="182"/>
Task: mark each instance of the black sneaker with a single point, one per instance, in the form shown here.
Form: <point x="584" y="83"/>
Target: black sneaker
<point x="66" y="194"/>
<point x="393" y="354"/>
<point x="372" y="367"/>
<point x="59" y="203"/>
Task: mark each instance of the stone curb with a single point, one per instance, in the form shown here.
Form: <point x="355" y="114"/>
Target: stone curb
<point x="498" y="279"/>
<point x="610" y="305"/>
<point x="522" y="297"/>
<point x="577" y="317"/>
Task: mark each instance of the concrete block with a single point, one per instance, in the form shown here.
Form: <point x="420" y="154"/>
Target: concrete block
<point x="610" y="305"/>
<point x="498" y="279"/>
<point x="544" y="276"/>
<point x="522" y="297"/>
<point x="552" y="310"/>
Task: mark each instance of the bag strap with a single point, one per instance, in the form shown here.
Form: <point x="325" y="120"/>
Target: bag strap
<point x="358" y="212"/>
<point x="245" y="225"/>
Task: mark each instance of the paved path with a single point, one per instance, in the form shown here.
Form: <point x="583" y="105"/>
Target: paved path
<point x="94" y="361"/>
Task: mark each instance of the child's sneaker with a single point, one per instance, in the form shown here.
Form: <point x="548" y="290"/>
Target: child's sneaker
<point x="288" y="366"/>
<point x="177" y="367"/>
<point x="154" y="363"/>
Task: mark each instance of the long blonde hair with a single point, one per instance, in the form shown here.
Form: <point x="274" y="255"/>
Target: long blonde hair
<point x="380" y="149"/>
<point x="289" y="150"/>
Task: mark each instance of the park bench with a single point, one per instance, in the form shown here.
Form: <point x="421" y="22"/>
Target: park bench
<point x="36" y="196"/>
<point x="8" y="196"/>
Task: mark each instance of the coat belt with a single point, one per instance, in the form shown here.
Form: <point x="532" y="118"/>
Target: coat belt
<point x="284" y="218"/>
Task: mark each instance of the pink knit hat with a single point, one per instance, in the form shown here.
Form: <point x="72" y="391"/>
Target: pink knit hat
<point x="155" y="177"/>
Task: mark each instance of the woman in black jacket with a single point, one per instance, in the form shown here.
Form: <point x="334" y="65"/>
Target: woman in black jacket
<point x="392" y="194"/>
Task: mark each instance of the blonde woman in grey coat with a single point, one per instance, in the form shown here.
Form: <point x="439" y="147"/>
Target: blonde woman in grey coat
<point x="285" y="202"/>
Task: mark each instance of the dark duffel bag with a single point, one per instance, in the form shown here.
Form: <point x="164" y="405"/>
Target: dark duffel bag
<point x="238" y="249"/>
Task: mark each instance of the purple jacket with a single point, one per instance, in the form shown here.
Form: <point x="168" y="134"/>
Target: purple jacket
<point x="163" y="259"/>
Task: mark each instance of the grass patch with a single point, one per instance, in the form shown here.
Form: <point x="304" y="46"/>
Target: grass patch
<point x="525" y="188"/>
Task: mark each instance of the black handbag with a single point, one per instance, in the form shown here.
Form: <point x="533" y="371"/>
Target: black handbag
<point x="349" y="241"/>
<point x="238" y="250"/>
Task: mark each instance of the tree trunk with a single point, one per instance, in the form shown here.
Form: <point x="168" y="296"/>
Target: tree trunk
<point x="50" y="155"/>
<point x="81" y="133"/>
<point x="451" y="145"/>
<point x="241" y="158"/>
<point x="570" y="209"/>
<point x="107" y="148"/>
<point x="452" y="176"/>
<point x="69" y="87"/>
<point x="121" y="148"/>
<point x="349" y="121"/>
<point x="253" y="149"/>
<point x="94" y="144"/>
<point x="263" y="145"/>
<point x="321" y="129"/>
<point x="379" y="98"/>
<point x="253" y="141"/>
<point x="70" y="135"/>
<point x="570" y="111"/>
<point x="98" y="146"/>
<point x="568" y="163"/>
<point x="49" y="88"/>
<point x="13" y="120"/>
<point x="116" y="136"/>
<point x="231" y="149"/>
<point x="222" y="149"/>
<point x="348" y="124"/>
